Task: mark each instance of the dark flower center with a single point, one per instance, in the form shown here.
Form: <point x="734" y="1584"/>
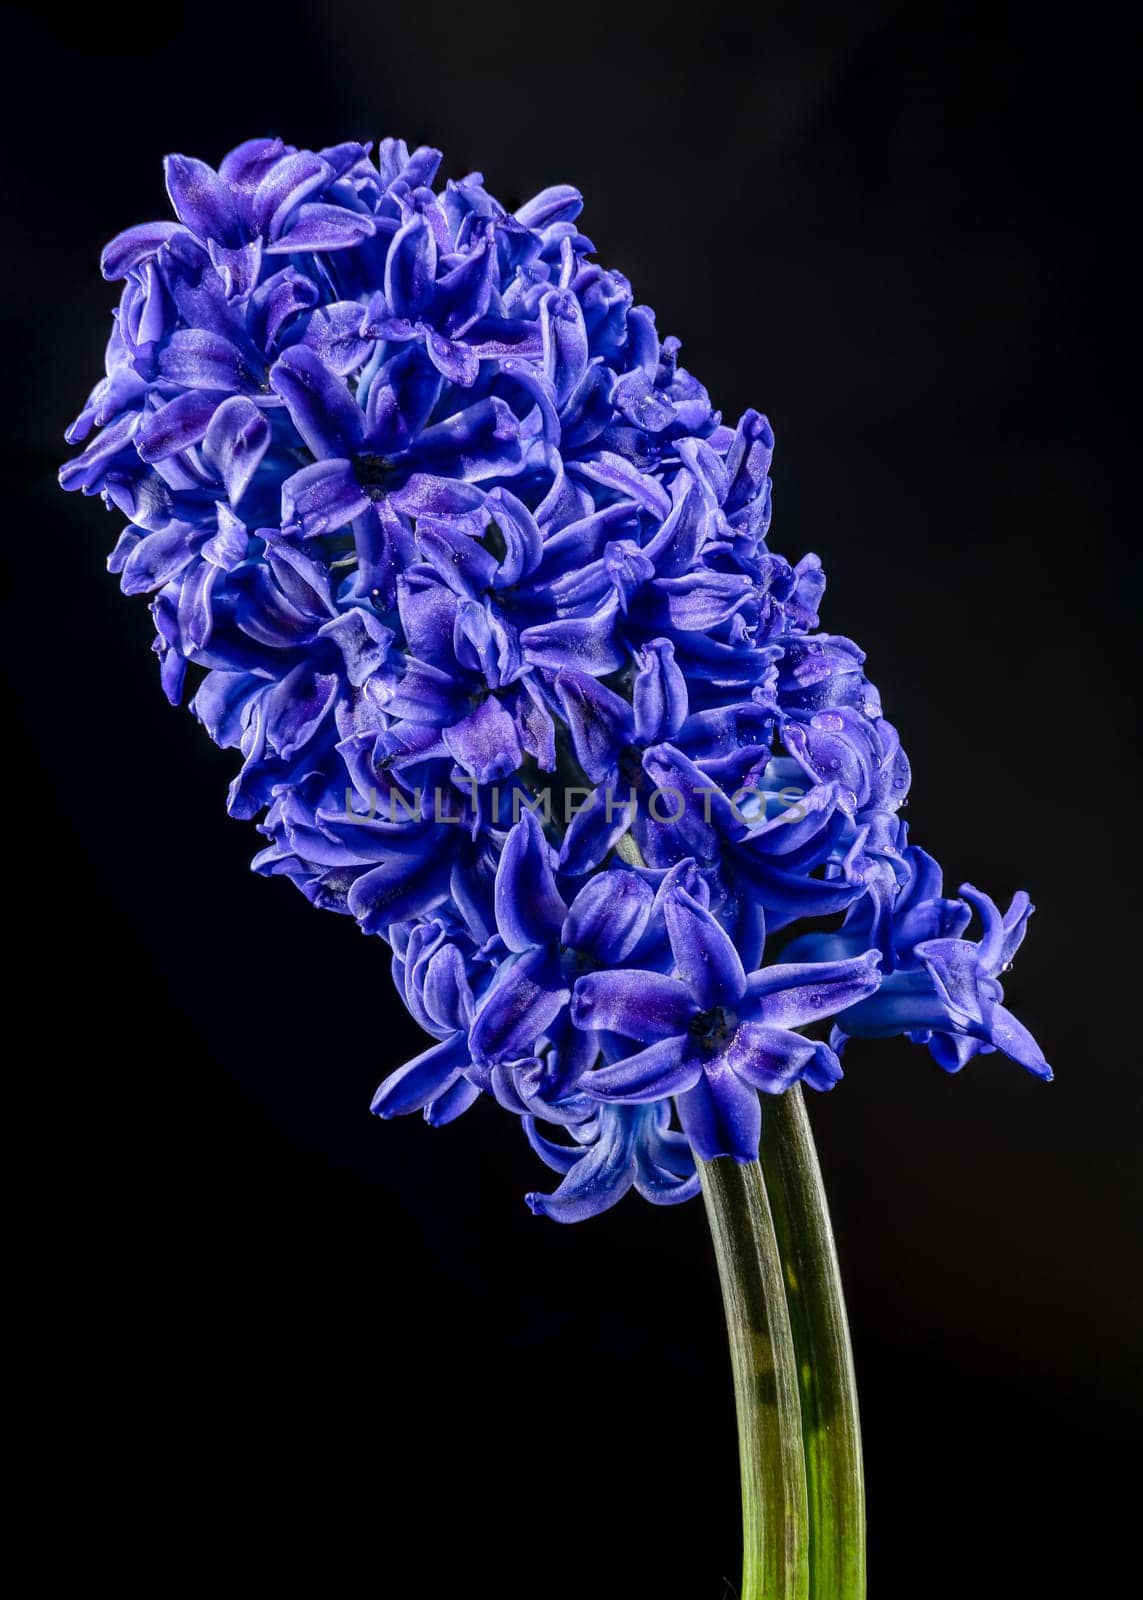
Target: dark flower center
<point x="372" y="474"/>
<point x="713" y="1029"/>
<point x="574" y="963"/>
<point x="630" y="765"/>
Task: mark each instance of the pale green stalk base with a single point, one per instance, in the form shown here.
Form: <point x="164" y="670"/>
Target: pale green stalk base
<point x="831" y="1431"/>
<point x="803" y="1499"/>
<point x="775" y="1508"/>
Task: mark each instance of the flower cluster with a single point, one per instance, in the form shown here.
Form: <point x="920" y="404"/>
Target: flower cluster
<point x="444" y="530"/>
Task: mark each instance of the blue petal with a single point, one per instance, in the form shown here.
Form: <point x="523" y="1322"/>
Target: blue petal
<point x="560" y="203"/>
<point x="333" y="334"/>
<point x="403" y="887"/>
<point x="608" y="916"/>
<point x="410" y="269"/>
<point x="197" y="359"/>
<point x="422" y="1080"/>
<point x="721" y="1116"/>
<point x="477" y="444"/>
<point x="600" y="722"/>
<point x="669" y="1067"/>
<point x="659" y="693"/>
<point x="529" y="908"/>
<point x="793" y="995"/>
<point x="515" y="1015"/>
<point x="177" y="425"/>
<point x="202" y="200"/>
<point x="134" y="247"/>
<point x="451" y="1103"/>
<point x="577" y="642"/>
<point x="284" y="186"/>
<point x="1007" y="1034"/>
<point x="645" y="1006"/>
<point x="595" y="829"/>
<point x="454" y="361"/>
<point x="487" y="743"/>
<point x="322" y="227"/>
<point x="523" y="542"/>
<point x="324" y="412"/>
<point x="600" y="1178"/>
<point x="706" y="959"/>
<point x="704" y="600"/>
<point x="235" y="443"/>
<point x="565" y="343"/>
<point x="322" y="498"/>
<point x="770" y="1059"/>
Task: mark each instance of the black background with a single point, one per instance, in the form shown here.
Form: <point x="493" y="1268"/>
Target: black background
<point x="279" y="1340"/>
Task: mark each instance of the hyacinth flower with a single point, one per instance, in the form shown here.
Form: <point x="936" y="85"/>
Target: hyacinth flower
<point x="443" y="540"/>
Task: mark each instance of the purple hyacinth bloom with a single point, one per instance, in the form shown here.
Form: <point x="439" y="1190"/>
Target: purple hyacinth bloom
<point x="713" y="1036"/>
<point x="617" y="1148"/>
<point x="440" y="536"/>
<point x="939" y="988"/>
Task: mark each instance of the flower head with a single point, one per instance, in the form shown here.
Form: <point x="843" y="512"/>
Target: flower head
<point x="443" y="540"/>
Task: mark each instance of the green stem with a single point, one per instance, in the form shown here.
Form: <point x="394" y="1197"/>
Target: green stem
<point x="830" y="1427"/>
<point x="803" y="1498"/>
<point x="775" y="1516"/>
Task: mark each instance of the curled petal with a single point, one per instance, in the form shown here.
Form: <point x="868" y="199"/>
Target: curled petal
<point x="565" y="343"/>
<point x="403" y="887"/>
<point x="560" y="203"/>
<point x="283" y="187"/>
<point x="614" y="473"/>
<point x="487" y="743"/>
<point x="410" y="269"/>
<point x="134" y="247"/>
